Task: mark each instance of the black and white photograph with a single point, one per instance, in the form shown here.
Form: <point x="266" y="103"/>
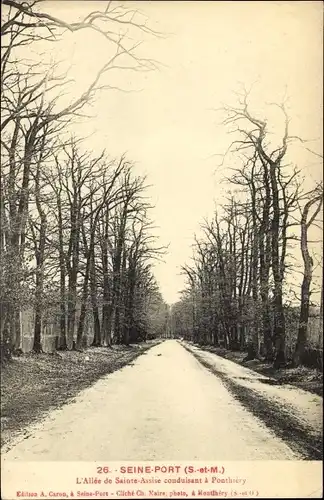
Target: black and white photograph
<point x="161" y="237"/>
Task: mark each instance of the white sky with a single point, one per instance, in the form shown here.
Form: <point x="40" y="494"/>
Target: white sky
<point x="168" y="127"/>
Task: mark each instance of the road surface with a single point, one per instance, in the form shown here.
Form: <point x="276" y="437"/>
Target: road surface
<point x="166" y="406"/>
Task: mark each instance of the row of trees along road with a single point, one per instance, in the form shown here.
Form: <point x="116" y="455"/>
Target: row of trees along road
<point x="235" y="295"/>
<point x="76" y="237"/>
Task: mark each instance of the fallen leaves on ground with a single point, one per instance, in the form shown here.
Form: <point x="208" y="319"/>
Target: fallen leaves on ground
<point x="34" y="384"/>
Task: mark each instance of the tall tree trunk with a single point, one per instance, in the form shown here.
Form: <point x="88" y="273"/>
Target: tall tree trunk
<point x="116" y="288"/>
<point x="62" y="340"/>
<point x="254" y="350"/>
<point x="84" y="297"/>
<point x="130" y="291"/>
<point x="106" y="307"/>
<point x="97" y="340"/>
<point x="40" y="259"/>
<point x="279" y="316"/>
<point x="16" y="335"/>
<point x="307" y="279"/>
<point x="73" y="272"/>
<point x="265" y="260"/>
<point x="83" y="311"/>
<point x="37" y="345"/>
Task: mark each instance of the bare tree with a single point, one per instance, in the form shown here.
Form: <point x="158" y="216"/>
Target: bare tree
<point x="30" y="109"/>
<point x="236" y="283"/>
<point x="315" y="202"/>
<point x="254" y="137"/>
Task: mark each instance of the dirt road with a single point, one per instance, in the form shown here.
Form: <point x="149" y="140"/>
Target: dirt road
<point x="165" y="406"/>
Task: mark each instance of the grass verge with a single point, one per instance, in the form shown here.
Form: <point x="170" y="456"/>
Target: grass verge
<point x="284" y="425"/>
<point x="309" y="379"/>
<point x="34" y="384"/>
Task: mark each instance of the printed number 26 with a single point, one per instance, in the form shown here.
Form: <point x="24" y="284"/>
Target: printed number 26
<point x="103" y="470"/>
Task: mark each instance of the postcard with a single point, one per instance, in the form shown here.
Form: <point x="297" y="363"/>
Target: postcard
<point x="161" y="249"/>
